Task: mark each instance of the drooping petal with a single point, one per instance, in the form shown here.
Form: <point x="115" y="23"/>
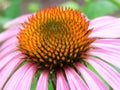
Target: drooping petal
<point x="61" y="82"/>
<point x="8" y="58"/>
<point x="7" y="51"/>
<point x="8" y="69"/>
<point x="110" y="30"/>
<point x="43" y="81"/>
<point x="25" y="82"/>
<point x="111" y="57"/>
<point x="8" y="42"/>
<point x="74" y="80"/>
<point x="13" y="82"/>
<point x="107" y="43"/>
<point x="91" y="79"/>
<point x="8" y="33"/>
<point x="101" y="21"/>
<point x="107" y="72"/>
<point x="16" y="21"/>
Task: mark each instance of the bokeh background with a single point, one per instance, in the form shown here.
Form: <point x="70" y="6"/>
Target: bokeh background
<point x="10" y="9"/>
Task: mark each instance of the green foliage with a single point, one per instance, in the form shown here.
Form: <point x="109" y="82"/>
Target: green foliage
<point x="1" y="1"/>
<point x="72" y="4"/>
<point x="99" y="8"/>
<point x="95" y="8"/>
<point x="50" y="86"/>
<point x="32" y="7"/>
<point x="13" y="10"/>
<point x="116" y="2"/>
<point x="3" y="21"/>
<point x="34" y="83"/>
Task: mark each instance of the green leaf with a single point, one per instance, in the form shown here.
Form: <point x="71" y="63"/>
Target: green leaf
<point x="72" y="5"/>
<point x="99" y="8"/>
<point x="50" y="86"/>
<point x="33" y="7"/>
<point x="116" y="2"/>
<point x="13" y="10"/>
<point x="34" y="83"/>
<point x="3" y="20"/>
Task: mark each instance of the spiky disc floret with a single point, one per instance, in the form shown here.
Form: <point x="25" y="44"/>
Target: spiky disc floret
<point x="55" y="37"/>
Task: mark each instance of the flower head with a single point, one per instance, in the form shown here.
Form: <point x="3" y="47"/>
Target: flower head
<point x="55" y="38"/>
<point x="61" y="46"/>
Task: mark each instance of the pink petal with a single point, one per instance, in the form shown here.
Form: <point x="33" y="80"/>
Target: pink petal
<point x="74" y="80"/>
<point x="7" y="34"/>
<point x="61" y="82"/>
<point x="18" y="20"/>
<point x="8" y="69"/>
<point x="107" y="72"/>
<point x="7" y="51"/>
<point x="111" y="45"/>
<point x="8" y="42"/>
<point x="101" y="21"/>
<point x="43" y="81"/>
<point x="13" y="82"/>
<point x="25" y="82"/>
<point x="91" y="79"/>
<point x="111" y="57"/>
<point x="107" y="43"/>
<point x="9" y="58"/>
<point x="110" y="30"/>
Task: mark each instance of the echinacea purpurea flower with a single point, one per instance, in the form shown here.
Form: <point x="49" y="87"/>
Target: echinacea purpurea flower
<point x="59" y="45"/>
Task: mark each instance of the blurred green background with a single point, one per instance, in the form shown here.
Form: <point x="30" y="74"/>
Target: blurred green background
<point x="10" y="9"/>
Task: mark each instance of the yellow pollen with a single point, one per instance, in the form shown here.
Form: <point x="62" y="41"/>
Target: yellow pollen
<point x="55" y="37"/>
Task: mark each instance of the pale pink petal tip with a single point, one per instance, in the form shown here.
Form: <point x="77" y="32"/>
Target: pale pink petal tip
<point x="112" y="57"/>
<point x="9" y="58"/>
<point x="16" y="21"/>
<point x="12" y="32"/>
<point x="101" y="21"/>
<point x="109" y="30"/>
<point x="43" y="81"/>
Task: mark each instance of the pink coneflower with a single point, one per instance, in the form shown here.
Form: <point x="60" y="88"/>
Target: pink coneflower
<point x="60" y="46"/>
